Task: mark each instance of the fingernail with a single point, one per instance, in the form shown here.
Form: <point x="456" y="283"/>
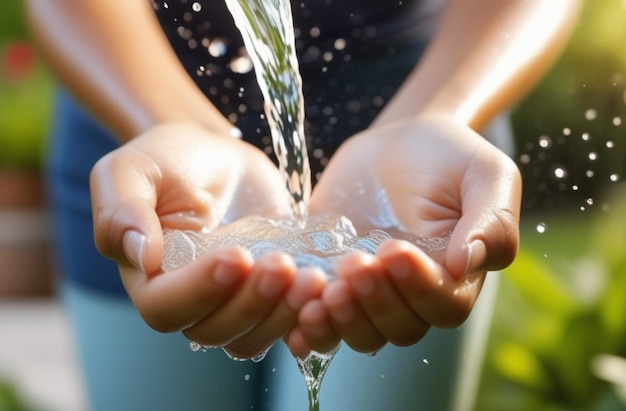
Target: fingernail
<point x="476" y="252"/>
<point x="134" y="243"/>
<point x="400" y="269"/>
<point x="364" y="285"/>
<point x="344" y="314"/>
<point x="225" y="274"/>
<point x="271" y="284"/>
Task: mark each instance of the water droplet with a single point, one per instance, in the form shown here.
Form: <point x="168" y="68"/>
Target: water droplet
<point x="217" y="47"/>
<point x="314" y="32"/>
<point x="241" y="64"/>
<point x="567" y="131"/>
<point x="614" y="177"/>
<point x="425" y="361"/>
<point x="560" y="173"/>
<point x="524" y="159"/>
<point x="590" y="173"/>
<point x="194" y="346"/>
<point x="591" y="114"/>
<point x="574" y="187"/>
<point x="617" y="121"/>
<point x="545" y="142"/>
<point x="585" y="136"/>
<point x="541" y="228"/>
<point x="196" y="6"/>
<point x="340" y="44"/>
<point x="593" y="156"/>
<point x="589" y="201"/>
<point x="247" y="377"/>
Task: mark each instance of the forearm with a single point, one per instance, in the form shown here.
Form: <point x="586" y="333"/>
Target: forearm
<point x="486" y="56"/>
<point x="116" y="59"/>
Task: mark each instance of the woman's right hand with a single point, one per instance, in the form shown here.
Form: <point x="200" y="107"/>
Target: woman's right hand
<point x="183" y="177"/>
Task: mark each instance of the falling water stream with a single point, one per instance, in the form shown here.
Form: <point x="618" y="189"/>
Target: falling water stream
<point x="267" y="30"/>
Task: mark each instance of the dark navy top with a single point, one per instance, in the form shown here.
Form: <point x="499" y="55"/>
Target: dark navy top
<point x="353" y="56"/>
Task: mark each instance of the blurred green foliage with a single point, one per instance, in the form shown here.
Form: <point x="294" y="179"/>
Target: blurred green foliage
<point x="563" y="301"/>
<point x="556" y="313"/>
<point x="12" y="26"/>
<point x="9" y="399"/>
<point x="25" y="93"/>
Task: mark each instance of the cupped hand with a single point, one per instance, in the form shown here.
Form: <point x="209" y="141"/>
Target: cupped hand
<point x="430" y="178"/>
<point x="180" y="176"/>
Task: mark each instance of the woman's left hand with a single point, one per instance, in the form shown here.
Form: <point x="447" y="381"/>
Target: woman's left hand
<point x="431" y="178"/>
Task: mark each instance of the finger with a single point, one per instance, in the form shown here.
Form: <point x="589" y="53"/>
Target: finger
<point x="297" y="343"/>
<point x="269" y="278"/>
<point x="436" y="296"/>
<point x="380" y="301"/>
<point x="316" y="327"/>
<point x="487" y="235"/>
<point x="174" y="300"/>
<point x="126" y="226"/>
<point x="308" y="284"/>
<point x="349" y="320"/>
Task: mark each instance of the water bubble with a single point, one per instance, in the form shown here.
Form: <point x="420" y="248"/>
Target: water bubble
<point x="593" y="156"/>
<point x="585" y="136"/>
<point x="541" y="228"/>
<point x="614" y="177"/>
<point x="574" y="187"/>
<point x="591" y="114"/>
<point x="196" y="6"/>
<point x="567" y="131"/>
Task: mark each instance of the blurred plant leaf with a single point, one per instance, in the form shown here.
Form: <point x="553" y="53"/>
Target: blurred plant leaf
<point x="520" y="365"/>
<point x="540" y="286"/>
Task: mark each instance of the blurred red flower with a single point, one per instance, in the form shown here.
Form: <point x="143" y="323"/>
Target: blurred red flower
<point x="17" y="60"/>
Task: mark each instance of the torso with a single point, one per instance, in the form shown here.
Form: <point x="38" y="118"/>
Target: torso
<point x="380" y="41"/>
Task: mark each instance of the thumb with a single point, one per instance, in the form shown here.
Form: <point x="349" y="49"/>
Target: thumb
<point x="483" y="241"/>
<point x="126" y="226"/>
<point x="486" y="236"/>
